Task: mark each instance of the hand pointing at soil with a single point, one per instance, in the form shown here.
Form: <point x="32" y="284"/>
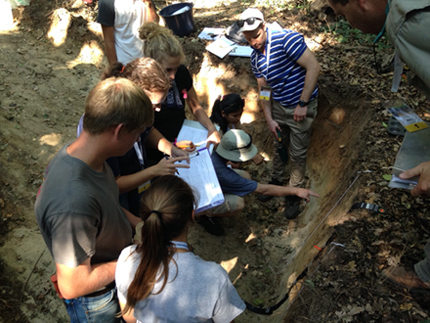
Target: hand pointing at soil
<point x="306" y="194"/>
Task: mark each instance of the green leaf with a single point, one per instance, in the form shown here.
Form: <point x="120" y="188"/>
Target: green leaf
<point x="387" y="177"/>
<point x="310" y="283"/>
<point x="257" y="301"/>
<point x="384" y="124"/>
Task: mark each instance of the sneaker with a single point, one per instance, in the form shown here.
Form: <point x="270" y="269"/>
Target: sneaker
<point x="406" y="278"/>
<point x="267" y="198"/>
<point x="211" y="225"/>
<point x="292" y="209"/>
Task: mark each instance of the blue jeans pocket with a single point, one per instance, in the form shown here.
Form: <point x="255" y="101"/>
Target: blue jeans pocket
<point x="99" y="309"/>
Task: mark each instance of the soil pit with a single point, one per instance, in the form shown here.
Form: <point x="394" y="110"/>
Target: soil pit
<point x="263" y="251"/>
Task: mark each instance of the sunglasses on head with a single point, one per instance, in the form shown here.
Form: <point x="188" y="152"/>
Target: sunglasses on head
<point x="244" y="147"/>
<point x="249" y="21"/>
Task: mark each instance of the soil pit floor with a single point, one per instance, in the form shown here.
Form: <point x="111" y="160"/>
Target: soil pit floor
<point x="43" y="87"/>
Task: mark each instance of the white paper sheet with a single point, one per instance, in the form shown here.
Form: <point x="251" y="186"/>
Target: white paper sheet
<point x="221" y="47"/>
<point x="202" y="178"/>
<point x="211" y="33"/>
<point x="195" y="132"/>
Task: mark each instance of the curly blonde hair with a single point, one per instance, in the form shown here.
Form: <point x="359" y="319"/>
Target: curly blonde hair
<point x="159" y="42"/>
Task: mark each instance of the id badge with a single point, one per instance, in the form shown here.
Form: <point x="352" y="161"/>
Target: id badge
<point x="265" y="93"/>
<point x="143" y="187"/>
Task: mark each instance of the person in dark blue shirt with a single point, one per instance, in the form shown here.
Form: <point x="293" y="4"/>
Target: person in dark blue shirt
<point x="236" y="146"/>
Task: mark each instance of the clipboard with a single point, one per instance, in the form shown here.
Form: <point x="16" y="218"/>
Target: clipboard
<point x="202" y="178"/>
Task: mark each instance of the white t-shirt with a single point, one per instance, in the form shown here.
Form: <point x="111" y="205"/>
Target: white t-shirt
<point x="126" y="16"/>
<point x="201" y="291"/>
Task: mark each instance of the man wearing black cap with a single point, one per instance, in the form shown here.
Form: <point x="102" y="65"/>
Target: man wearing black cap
<point x="236" y="146"/>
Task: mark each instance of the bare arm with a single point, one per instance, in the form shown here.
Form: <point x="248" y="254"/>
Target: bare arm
<point x="84" y="279"/>
<point x="156" y="139"/>
<point x="164" y="167"/>
<point x="275" y="190"/>
<point x="128" y="317"/>
<point x="108" y="36"/>
<point x="202" y="117"/>
<point x="310" y="63"/>
<point x="267" y="109"/>
<point x="151" y="14"/>
<point x="134" y="220"/>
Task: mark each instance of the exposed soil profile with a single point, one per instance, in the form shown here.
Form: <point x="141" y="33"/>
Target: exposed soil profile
<point x="44" y="80"/>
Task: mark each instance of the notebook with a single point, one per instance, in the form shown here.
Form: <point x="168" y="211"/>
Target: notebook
<point x="415" y="149"/>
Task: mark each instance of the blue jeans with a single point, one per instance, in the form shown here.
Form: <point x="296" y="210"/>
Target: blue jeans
<point x="99" y="309"/>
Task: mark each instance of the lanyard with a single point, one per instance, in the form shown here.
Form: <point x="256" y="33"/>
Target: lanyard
<point x="269" y="46"/>
<point x="139" y="151"/>
<point x="381" y="33"/>
<point x="180" y="244"/>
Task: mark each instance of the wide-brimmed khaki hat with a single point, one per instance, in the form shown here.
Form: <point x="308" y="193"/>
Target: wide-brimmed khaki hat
<point x="236" y="145"/>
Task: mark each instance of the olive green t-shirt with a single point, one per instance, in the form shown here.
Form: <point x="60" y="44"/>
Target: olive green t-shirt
<point x="78" y="213"/>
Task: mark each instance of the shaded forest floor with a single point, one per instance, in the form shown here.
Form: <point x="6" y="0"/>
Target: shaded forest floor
<point x="42" y="92"/>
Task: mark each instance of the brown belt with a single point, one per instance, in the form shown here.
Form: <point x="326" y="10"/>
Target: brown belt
<point x="102" y="291"/>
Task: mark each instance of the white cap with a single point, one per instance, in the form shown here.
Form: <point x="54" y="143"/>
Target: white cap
<point x="251" y="13"/>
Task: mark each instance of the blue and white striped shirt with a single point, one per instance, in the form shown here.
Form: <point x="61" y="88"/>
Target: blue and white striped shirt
<point x="285" y="76"/>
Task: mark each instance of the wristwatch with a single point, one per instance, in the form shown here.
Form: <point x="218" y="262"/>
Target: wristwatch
<point x="303" y="103"/>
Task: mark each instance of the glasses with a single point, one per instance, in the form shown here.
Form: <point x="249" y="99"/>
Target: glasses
<point x="244" y="147"/>
<point x="249" y="21"/>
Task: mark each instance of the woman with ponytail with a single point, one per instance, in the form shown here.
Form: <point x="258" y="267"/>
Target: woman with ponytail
<point x="132" y="171"/>
<point x="160" y="280"/>
<point x="226" y="111"/>
<point x="160" y="44"/>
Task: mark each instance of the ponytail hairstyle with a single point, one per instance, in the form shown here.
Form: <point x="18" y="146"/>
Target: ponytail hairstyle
<point x="228" y="103"/>
<point x="145" y="72"/>
<point x="167" y="208"/>
<point x="159" y="42"/>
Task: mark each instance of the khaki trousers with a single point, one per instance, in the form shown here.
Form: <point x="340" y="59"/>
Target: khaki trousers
<point x="295" y="137"/>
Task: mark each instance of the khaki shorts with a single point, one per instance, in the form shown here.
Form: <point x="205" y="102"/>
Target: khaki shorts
<point x="232" y="202"/>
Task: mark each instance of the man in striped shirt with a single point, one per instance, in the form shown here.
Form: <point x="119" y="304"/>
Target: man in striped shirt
<point x="287" y="74"/>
